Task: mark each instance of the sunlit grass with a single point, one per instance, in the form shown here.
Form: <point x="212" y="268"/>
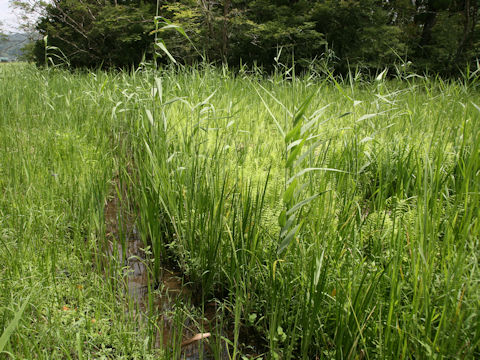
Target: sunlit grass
<point x="380" y="259"/>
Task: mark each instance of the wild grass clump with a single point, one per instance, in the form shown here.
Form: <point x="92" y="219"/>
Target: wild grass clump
<point x="329" y="218"/>
<point x="56" y="163"/>
<point x="365" y="185"/>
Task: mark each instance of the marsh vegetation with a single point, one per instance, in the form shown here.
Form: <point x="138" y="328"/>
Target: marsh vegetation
<point x="306" y="216"/>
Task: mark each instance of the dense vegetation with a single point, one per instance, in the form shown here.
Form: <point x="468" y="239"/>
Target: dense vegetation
<point x="327" y="218"/>
<point x="427" y="35"/>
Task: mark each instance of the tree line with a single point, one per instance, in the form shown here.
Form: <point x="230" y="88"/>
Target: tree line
<point x="441" y="36"/>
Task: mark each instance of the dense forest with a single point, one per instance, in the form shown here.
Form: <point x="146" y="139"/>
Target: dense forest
<point x="441" y="36"/>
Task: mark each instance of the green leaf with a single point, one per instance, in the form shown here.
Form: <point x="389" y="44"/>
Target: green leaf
<point x="288" y="194"/>
<point x="293" y="134"/>
<point x="339" y="87"/>
<point x="302" y="203"/>
<point x="158" y="83"/>
<point x="276" y="100"/>
<point x="288" y="225"/>
<point x="161" y="45"/>
<point x="286" y="241"/>
<point x="293" y="144"/>
<point x="271" y="114"/>
<point x="294" y="154"/>
<point x="282" y="218"/>
<point x="318" y="270"/>
<point x="150" y="116"/>
<point x="149" y="150"/>
<point x="382" y="75"/>
<point x="304" y="171"/>
<point x="311" y="122"/>
<point x="344" y="114"/>
<point x="306" y="153"/>
<point x="13" y="324"/>
<point x="301" y="110"/>
<point x="175" y="27"/>
<point x="366" y="116"/>
<point x="475" y="105"/>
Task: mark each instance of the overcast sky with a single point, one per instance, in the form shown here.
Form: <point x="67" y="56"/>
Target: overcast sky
<point x="9" y="20"/>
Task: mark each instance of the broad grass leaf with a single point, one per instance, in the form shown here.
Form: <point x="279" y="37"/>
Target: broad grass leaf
<point x="294" y="133"/>
<point x="286" y="241"/>
<point x="301" y="204"/>
<point x="302" y="109"/>
<point x="150" y="116"/>
<point x="288" y="194"/>
<point x="13" y="324"/>
<point x="382" y="75"/>
<point x="282" y="218"/>
<point x="271" y="114"/>
<point x="294" y="154"/>
<point x="161" y="45"/>
<point x="366" y="116"/>
<point x="304" y="171"/>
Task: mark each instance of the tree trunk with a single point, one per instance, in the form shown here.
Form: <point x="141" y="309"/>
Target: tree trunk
<point x="208" y="20"/>
<point x="470" y="20"/>
<point x="226" y="10"/>
<point x="429" y="23"/>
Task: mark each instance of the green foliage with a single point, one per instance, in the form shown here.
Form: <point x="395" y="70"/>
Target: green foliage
<point x="57" y="149"/>
<point x="381" y="177"/>
<point x="434" y="35"/>
<point x="367" y="182"/>
<point x="90" y="34"/>
<point x="361" y="33"/>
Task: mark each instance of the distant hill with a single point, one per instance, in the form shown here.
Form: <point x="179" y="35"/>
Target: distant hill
<point x="11" y="46"/>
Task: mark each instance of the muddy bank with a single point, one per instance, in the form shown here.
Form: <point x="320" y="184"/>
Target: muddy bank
<point x="177" y="332"/>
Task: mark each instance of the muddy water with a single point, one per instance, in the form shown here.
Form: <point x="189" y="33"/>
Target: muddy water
<point x="193" y="341"/>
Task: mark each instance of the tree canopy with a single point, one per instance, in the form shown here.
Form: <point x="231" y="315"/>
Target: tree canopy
<point x="435" y="35"/>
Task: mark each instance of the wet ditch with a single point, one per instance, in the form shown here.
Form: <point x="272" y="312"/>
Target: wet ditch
<point x="184" y="337"/>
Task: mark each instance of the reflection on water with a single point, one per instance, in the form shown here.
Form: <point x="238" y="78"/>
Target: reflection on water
<point x="191" y="336"/>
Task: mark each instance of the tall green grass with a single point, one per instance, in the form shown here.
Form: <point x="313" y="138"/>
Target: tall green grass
<point x="325" y="217"/>
<point x="375" y="189"/>
<point x="58" y="142"/>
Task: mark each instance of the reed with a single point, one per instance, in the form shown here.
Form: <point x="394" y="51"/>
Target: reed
<point x="326" y="217"/>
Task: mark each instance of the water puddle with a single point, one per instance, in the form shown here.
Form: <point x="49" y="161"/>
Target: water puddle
<point x="191" y="336"/>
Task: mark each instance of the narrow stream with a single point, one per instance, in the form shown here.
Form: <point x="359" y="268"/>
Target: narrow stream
<point x="194" y="342"/>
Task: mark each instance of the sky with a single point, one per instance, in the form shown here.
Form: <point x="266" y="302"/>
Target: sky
<point x="7" y="17"/>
